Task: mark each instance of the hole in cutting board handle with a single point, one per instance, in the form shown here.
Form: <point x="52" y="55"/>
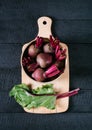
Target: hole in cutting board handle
<point x="44" y="22"/>
<point x="44" y="25"/>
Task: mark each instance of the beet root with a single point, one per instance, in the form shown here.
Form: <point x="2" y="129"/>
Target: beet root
<point x="47" y="48"/>
<point x="38" y="75"/>
<point x="44" y="60"/>
<point x="32" y="51"/>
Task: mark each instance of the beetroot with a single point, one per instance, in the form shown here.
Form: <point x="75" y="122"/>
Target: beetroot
<point x="32" y="51"/>
<point x="39" y="41"/>
<point x="35" y="48"/>
<point x="47" y="48"/>
<point x="44" y="60"/>
<point x="38" y="74"/>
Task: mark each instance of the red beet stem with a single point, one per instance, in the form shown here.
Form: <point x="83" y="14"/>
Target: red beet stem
<point x="63" y="51"/>
<point x="54" y="42"/>
<point x="60" y="54"/>
<point x="39" y="41"/>
<point x="52" y="71"/>
<point x="57" y="48"/>
<point x="53" y="74"/>
<point x="32" y="67"/>
<point x="51" y="41"/>
<point x="68" y="94"/>
<point x="61" y="58"/>
<point x="57" y="52"/>
<point x="26" y="61"/>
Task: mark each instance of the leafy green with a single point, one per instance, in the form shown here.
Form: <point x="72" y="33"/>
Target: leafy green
<point x="45" y="89"/>
<point x="22" y="95"/>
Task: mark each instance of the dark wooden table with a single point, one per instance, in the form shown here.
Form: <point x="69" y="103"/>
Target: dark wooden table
<point x="73" y="25"/>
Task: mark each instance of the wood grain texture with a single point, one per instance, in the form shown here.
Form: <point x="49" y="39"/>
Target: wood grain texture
<point x="17" y="26"/>
<point x="10" y="55"/>
<point x="18" y="20"/>
<point x="68" y="31"/>
<point x="60" y="9"/>
<point x="30" y="121"/>
<point x="73" y="20"/>
<point x="80" y="65"/>
<point x="75" y="9"/>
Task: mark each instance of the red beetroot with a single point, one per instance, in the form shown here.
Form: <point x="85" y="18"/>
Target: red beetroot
<point x="32" y="51"/>
<point x="54" y="42"/>
<point x="39" y="41"/>
<point x="34" y="48"/>
<point x="44" y="60"/>
<point x="47" y="48"/>
<point x="60" y="54"/>
<point x="38" y="75"/>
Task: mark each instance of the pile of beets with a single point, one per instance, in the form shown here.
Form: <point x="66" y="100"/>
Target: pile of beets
<point x="44" y="59"/>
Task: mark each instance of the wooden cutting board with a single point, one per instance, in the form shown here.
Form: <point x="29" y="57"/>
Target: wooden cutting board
<point x="61" y="84"/>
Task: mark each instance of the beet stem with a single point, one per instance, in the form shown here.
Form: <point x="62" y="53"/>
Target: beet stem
<point x="32" y="67"/>
<point x="62" y="58"/>
<point x="68" y="94"/>
<point x="54" y="42"/>
<point x="52" y="71"/>
<point x="39" y="42"/>
<point x="63" y="51"/>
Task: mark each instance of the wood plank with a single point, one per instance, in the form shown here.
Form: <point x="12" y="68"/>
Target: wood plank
<point x="80" y="69"/>
<point x="9" y="78"/>
<point x="68" y="31"/>
<point x="75" y="9"/>
<point x="73" y="31"/>
<point x="10" y="55"/>
<point x="78" y="103"/>
<point x="80" y="65"/>
<point x="24" y="121"/>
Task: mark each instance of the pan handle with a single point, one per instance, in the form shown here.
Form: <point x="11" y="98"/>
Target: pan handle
<point x="44" y="27"/>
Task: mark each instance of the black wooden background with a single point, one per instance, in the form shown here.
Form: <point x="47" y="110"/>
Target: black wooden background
<point x="72" y="23"/>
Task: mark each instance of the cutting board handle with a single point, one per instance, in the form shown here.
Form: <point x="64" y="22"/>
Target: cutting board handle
<point x="44" y="27"/>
